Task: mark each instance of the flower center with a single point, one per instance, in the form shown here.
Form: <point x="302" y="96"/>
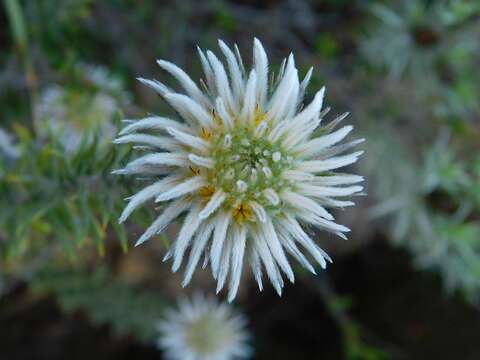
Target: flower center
<point x="248" y="167"/>
<point x="206" y="335"/>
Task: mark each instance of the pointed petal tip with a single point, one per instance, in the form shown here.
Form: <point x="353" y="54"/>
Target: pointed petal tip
<point x="140" y="241"/>
<point x="123" y="217"/>
<point x="175" y="266"/>
<point x="162" y="62"/>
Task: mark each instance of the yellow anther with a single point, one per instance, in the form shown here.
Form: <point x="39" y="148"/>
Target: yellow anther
<point x="194" y="171"/>
<point x="242" y="213"/>
<point x="216" y="118"/>
<point x="206" y="192"/>
<point x="259" y="115"/>
<point x="207" y="135"/>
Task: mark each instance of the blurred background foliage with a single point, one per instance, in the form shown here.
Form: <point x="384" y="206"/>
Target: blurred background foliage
<point x="408" y="72"/>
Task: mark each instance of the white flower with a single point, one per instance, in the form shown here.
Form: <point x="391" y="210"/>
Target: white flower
<point x="245" y="166"/>
<point x="7" y="146"/>
<point x="203" y="329"/>
<point x="71" y="112"/>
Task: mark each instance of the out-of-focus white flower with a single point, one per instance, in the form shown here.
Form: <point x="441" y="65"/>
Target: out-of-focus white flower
<point x="248" y="165"/>
<point x="70" y="113"/>
<point x="100" y="77"/>
<point x="203" y="329"/>
<point x="104" y="81"/>
<point x="7" y="147"/>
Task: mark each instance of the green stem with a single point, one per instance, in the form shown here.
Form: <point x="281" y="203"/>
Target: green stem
<point x="20" y="39"/>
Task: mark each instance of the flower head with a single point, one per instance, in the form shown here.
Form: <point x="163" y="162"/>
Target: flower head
<point x="203" y="329"/>
<point x="247" y="165"/>
<point x="8" y="149"/>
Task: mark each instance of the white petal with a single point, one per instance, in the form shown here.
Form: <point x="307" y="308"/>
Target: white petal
<point x="312" y="110"/>
<point x="239" y="239"/>
<point x="337" y="179"/>
<point x="260" y="64"/>
<point x="296" y="230"/>
<point x="281" y="72"/>
<point x="256" y="266"/>
<point x="190" y="110"/>
<point x="155" y="85"/>
<point x="223" y="113"/>
<point x="145" y="170"/>
<point x="201" y="161"/>
<point x="207" y="70"/>
<point x="234" y="69"/>
<point x="190" y="225"/>
<point x="316" y="166"/>
<point x="302" y="125"/>
<point x="304" y="85"/>
<point x="147" y="193"/>
<point x="168" y="215"/>
<point x="160" y="142"/>
<point x="199" y="244"/>
<point x="259" y="211"/>
<point x="221" y="80"/>
<point x="313" y="147"/>
<point x="224" y="263"/>
<point x="276" y="249"/>
<point x="332" y="124"/>
<point x="168" y="159"/>
<point x="289" y="244"/>
<point x="189" y="140"/>
<point x="320" y="191"/>
<point x="261" y="248"/>
<point x="221" y="226"/>
<point x="334" y="202"/>
<point x="303" y="203"/>
<point x="327" y="225"/>
<point x="250" y="99"/>
<point x="153" y="123"/>
<point x="295" y="175"/>
<point x="213" y="204"/>
<point x="271" y="196"/>
<point x="338" y="149"/>
<point x="187" y="83"/>
<point x="183" y="188"/>
<point x="239" y="59"/>
<point x="284" y="100"/>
